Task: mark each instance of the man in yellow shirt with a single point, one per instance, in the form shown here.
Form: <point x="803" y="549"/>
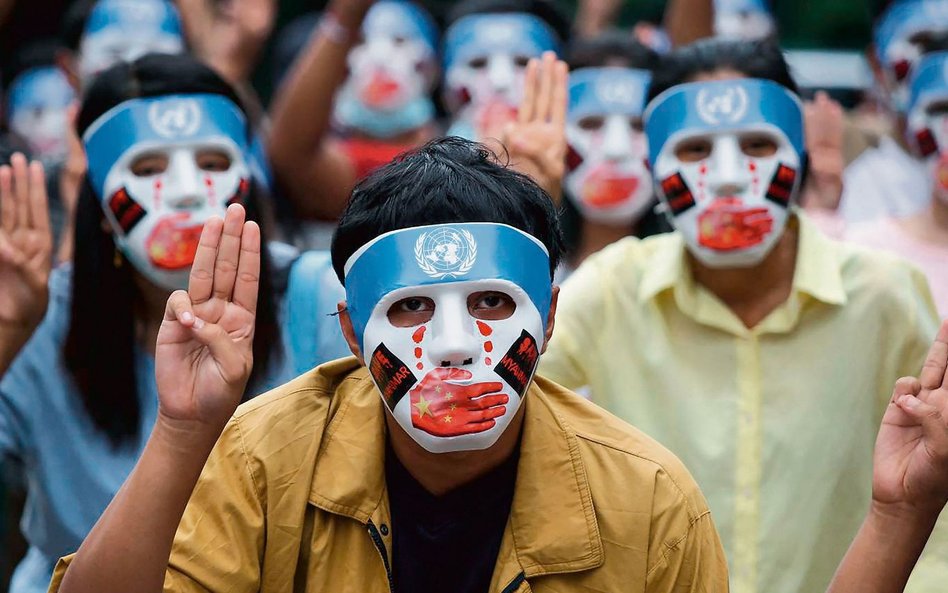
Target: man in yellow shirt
<point x="756" y="349"/>
<point x="434" y="462"/>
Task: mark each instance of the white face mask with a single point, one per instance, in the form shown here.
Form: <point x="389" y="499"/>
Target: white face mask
<point x="727" y="175"/>
<point x="452" y="359"/>
<point x="162" y="167"/>
<point x="37" y="102"/>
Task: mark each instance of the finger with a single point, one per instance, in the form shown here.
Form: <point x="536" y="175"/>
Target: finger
<point x="233" y="354"/>
<point x="906" y="386"/>
<point x="934" y="426"/>
<point x="491" y="401"/>
<point x="933" y="371"/>
<point x="526" y="111"/>
<point x="485" y="415"/>
<point x="201" y="279"/>
<point x="475" y="427"/>
<point x="38" y="202"/>
<point x="248" y="268"/>
<point x="21" y="186"/>
<point x="560" y="94"/>
<point x="7" y="203"/>
<point x="545" y="92"/>
<point x="228" y="254"/>
<point x="179" y="308"/>
<point x="479" y="389"/>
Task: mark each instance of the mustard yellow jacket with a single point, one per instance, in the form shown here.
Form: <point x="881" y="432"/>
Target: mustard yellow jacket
<point x="293" y="499"/>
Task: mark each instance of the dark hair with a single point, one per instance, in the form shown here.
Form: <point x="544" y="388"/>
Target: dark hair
<point x="74" y="22"/>
<point x="612" y="48"/>
<point x="755" y="59"/>
<point x="99" y="348"/>
<point x="36" y="54"/>
<point x="547" y="10"/>
<point x="447" y="180"/>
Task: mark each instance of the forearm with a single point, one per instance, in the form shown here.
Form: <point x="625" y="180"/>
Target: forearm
<point x="687" y="21"/>
<point x="881" y="558"/>
<point x="129" y="547"/>
<point x="595" y="16"/>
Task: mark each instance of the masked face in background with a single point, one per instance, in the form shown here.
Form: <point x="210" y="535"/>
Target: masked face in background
<point x="727" y="158"/>
<point x="36" y="109"/>
<point x="899" y="38"/>
<point x="124" y="30"/>
<point x="927" y="131"/>
<point x="391" y="72"/>
<point x="608" y="179"/>
<point x="162" y="167"/>
<point x="451" y="327"/>
<point x="485" y="58"/>
<point x="743" y="19"/>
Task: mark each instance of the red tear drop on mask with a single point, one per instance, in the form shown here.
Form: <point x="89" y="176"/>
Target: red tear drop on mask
<point x="727" y="225"/>
<point x="484" y="328"/>
<point x="605" y="186"/>
<point x="419" y="334"/>
<point x="173" y="242"/>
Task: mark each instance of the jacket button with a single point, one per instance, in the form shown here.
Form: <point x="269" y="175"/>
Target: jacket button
<point x="383" y="528"/>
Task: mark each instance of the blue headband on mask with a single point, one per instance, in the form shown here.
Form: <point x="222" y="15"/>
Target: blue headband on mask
<point x="732" y="6"/>
<point x="482" y="34"/>
<point x="399" y="18"/>
<point x="720" y="106"/>
<point x="39" y="88"/>
<point x="930" y="81"/>
<point x="906" y="17"/>
<point x="445" y="253"/>
<point x="134" y="16"/>
<point x="160" y="120"/>
<point x="599" y="91"/>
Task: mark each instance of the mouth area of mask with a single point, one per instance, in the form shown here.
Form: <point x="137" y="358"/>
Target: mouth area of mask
<point x="452" y="336"/>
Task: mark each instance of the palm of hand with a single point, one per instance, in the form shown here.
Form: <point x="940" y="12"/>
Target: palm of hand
<point x="24" y="298"/>
<point x="186" y="370"/>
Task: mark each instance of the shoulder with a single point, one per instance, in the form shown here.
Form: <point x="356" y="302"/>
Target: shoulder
<point x="622" y="265"/>
<point x="622" y="462"/>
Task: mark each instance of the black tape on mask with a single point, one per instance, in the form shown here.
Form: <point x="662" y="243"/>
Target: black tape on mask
<point x="128" y="213"/>
<point x="677" y="193"/>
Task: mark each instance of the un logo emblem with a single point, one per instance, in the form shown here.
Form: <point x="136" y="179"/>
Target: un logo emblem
<point x="177" y="118"/>
<point x="617" y="92"/>
<point x="727" y="105"/>
<point x="445" y="252"/>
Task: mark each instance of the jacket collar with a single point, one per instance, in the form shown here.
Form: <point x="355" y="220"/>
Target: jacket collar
<point x="552" y="525"/>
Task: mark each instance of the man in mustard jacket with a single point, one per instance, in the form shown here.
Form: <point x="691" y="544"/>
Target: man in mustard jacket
<point x="432" y="461"/>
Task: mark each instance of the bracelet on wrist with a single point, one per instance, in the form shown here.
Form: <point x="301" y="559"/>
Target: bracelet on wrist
<point x="332" y="28"/>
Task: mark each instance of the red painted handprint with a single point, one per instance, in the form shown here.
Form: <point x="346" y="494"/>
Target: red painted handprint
<point x="727" y="225"/>
<point x="442" y="407"/>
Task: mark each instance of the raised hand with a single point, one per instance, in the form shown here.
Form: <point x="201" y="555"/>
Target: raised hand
<point x="205" y="344"/>
<point x="25" y="247"/>
<point x="536" y="142"/>
<point x="824" y="122"/>
<point x="910" y="468"/>
<point x="442" y="405"/>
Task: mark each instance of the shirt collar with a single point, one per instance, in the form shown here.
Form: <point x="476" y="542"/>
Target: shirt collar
<point x="349" y="478"/>
<point x="817" y="271"/>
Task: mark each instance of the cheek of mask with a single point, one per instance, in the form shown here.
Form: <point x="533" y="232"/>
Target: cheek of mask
<point x="454" y="405"/>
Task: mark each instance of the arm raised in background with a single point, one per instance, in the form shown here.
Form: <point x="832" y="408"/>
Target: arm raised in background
<point x="909" y="483"/>
<point x="687" y="21"/>
<point x="26" y="245"/>
<point x="228" y="36"/>
<point x="536" y="142"/>
<point x="203" y="359"/>
<point x="315" y="175"/>
<point x="824" y="121"/>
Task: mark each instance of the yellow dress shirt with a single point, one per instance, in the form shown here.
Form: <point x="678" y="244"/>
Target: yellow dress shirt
<point x="777" y="423"/>
<point x="293" y="499"/>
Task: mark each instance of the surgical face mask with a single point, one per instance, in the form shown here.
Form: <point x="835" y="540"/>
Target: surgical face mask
<point x="162" y="167"/>
<point x="486" y="57"/>
<point x="608" y="180"/>
<point x="451" y="327"/>
<point x="124" y="30"/>
<point x="898" y="39"/>
<point x="37" y="104"/>
<point x="390" y="73"/>
<point x="729" y="169"/>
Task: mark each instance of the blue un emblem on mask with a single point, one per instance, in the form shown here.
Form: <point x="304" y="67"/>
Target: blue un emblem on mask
<point x="445" y="252"/>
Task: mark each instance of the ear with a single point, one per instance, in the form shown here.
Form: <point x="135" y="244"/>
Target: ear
<point x="551" y="318"/>
<point x="348" y="332"/>
<point x="68" y="64"/>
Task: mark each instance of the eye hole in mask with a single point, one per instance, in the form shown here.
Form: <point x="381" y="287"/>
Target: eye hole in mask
<point x="155" y="163"/>
<point x="487" y="305"/>
<point x="693" y="150"/>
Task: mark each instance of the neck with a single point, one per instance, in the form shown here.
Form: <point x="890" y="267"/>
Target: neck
<point x="901" y="125"/>
<point x="440" y="473"/>
<point x="930" y="225"/>
<point x="753" y="292"/>
<point x="938" y="215"/>
<point x="595" y="236"/>
<point x="149" y="311"/>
